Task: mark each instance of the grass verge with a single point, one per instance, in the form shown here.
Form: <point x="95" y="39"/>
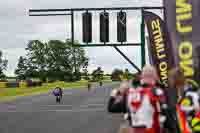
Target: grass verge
<point x="12" y="93"/>
<point x="7" y="94"/>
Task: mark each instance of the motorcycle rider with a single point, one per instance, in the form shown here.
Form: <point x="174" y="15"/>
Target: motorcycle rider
<point x="89" y="85"/>
<point x="100" y="83"/>
<point x="58" y="92"/>
<point x="140" y="102"/>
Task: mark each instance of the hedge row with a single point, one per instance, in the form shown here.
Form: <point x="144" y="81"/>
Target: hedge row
<point x="20" y="84"/>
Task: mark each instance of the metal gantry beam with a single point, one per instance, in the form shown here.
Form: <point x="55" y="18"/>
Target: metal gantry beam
<point x="66" y="12"/>
<point x="95" y="9"/>
<point x="125" y="57"/>
<point x="58" y="14"/>
<point x="107" y="44"/>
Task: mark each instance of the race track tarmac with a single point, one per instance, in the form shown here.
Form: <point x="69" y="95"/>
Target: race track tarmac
<point x="79" y="112"/>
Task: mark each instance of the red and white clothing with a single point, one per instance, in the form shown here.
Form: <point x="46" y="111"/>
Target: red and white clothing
<point x="141" y="104"/>
<point x="141" y="107"/>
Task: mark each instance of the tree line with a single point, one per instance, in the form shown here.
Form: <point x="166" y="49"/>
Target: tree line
<point x="52" y="60"/>
<point x="119" y="74"/>
<point x="56" y="60"/>
<point x="3" y="65"/>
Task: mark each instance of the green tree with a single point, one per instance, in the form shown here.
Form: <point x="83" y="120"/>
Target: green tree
<point x="85" y="71"/>
<point x="97" y="75"/>
<point x="37" y="58"/>
<point x="66" y="59"/>
<point x="32" y="71"/>
<point x="22" y="68"/>
<point x="56" y="60"/>
<point x="127" y="75"/>
<point x="116" y="75"/>
<point x="3" y="65"/>
<point x="78" y="59"/>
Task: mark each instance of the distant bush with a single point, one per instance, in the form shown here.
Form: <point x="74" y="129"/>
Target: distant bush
<point x="34" y="84"/>
<point x="51" y="81"/>
<point x="12" y="84"/>
<point x="3" y="80"/>
<point x="116" y="75"/>
<point x="29" y="83"/>
<point x="39" y="83"/>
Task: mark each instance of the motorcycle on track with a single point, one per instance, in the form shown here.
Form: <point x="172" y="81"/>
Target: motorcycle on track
<point x="100" y="83"/>
<point x="57" y="92"/>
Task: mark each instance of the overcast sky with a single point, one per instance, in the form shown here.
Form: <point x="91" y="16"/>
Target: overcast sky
<point x="17" y="28"/>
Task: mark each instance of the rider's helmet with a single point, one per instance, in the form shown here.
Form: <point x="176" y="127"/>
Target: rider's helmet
<point x="56" y="91"/>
